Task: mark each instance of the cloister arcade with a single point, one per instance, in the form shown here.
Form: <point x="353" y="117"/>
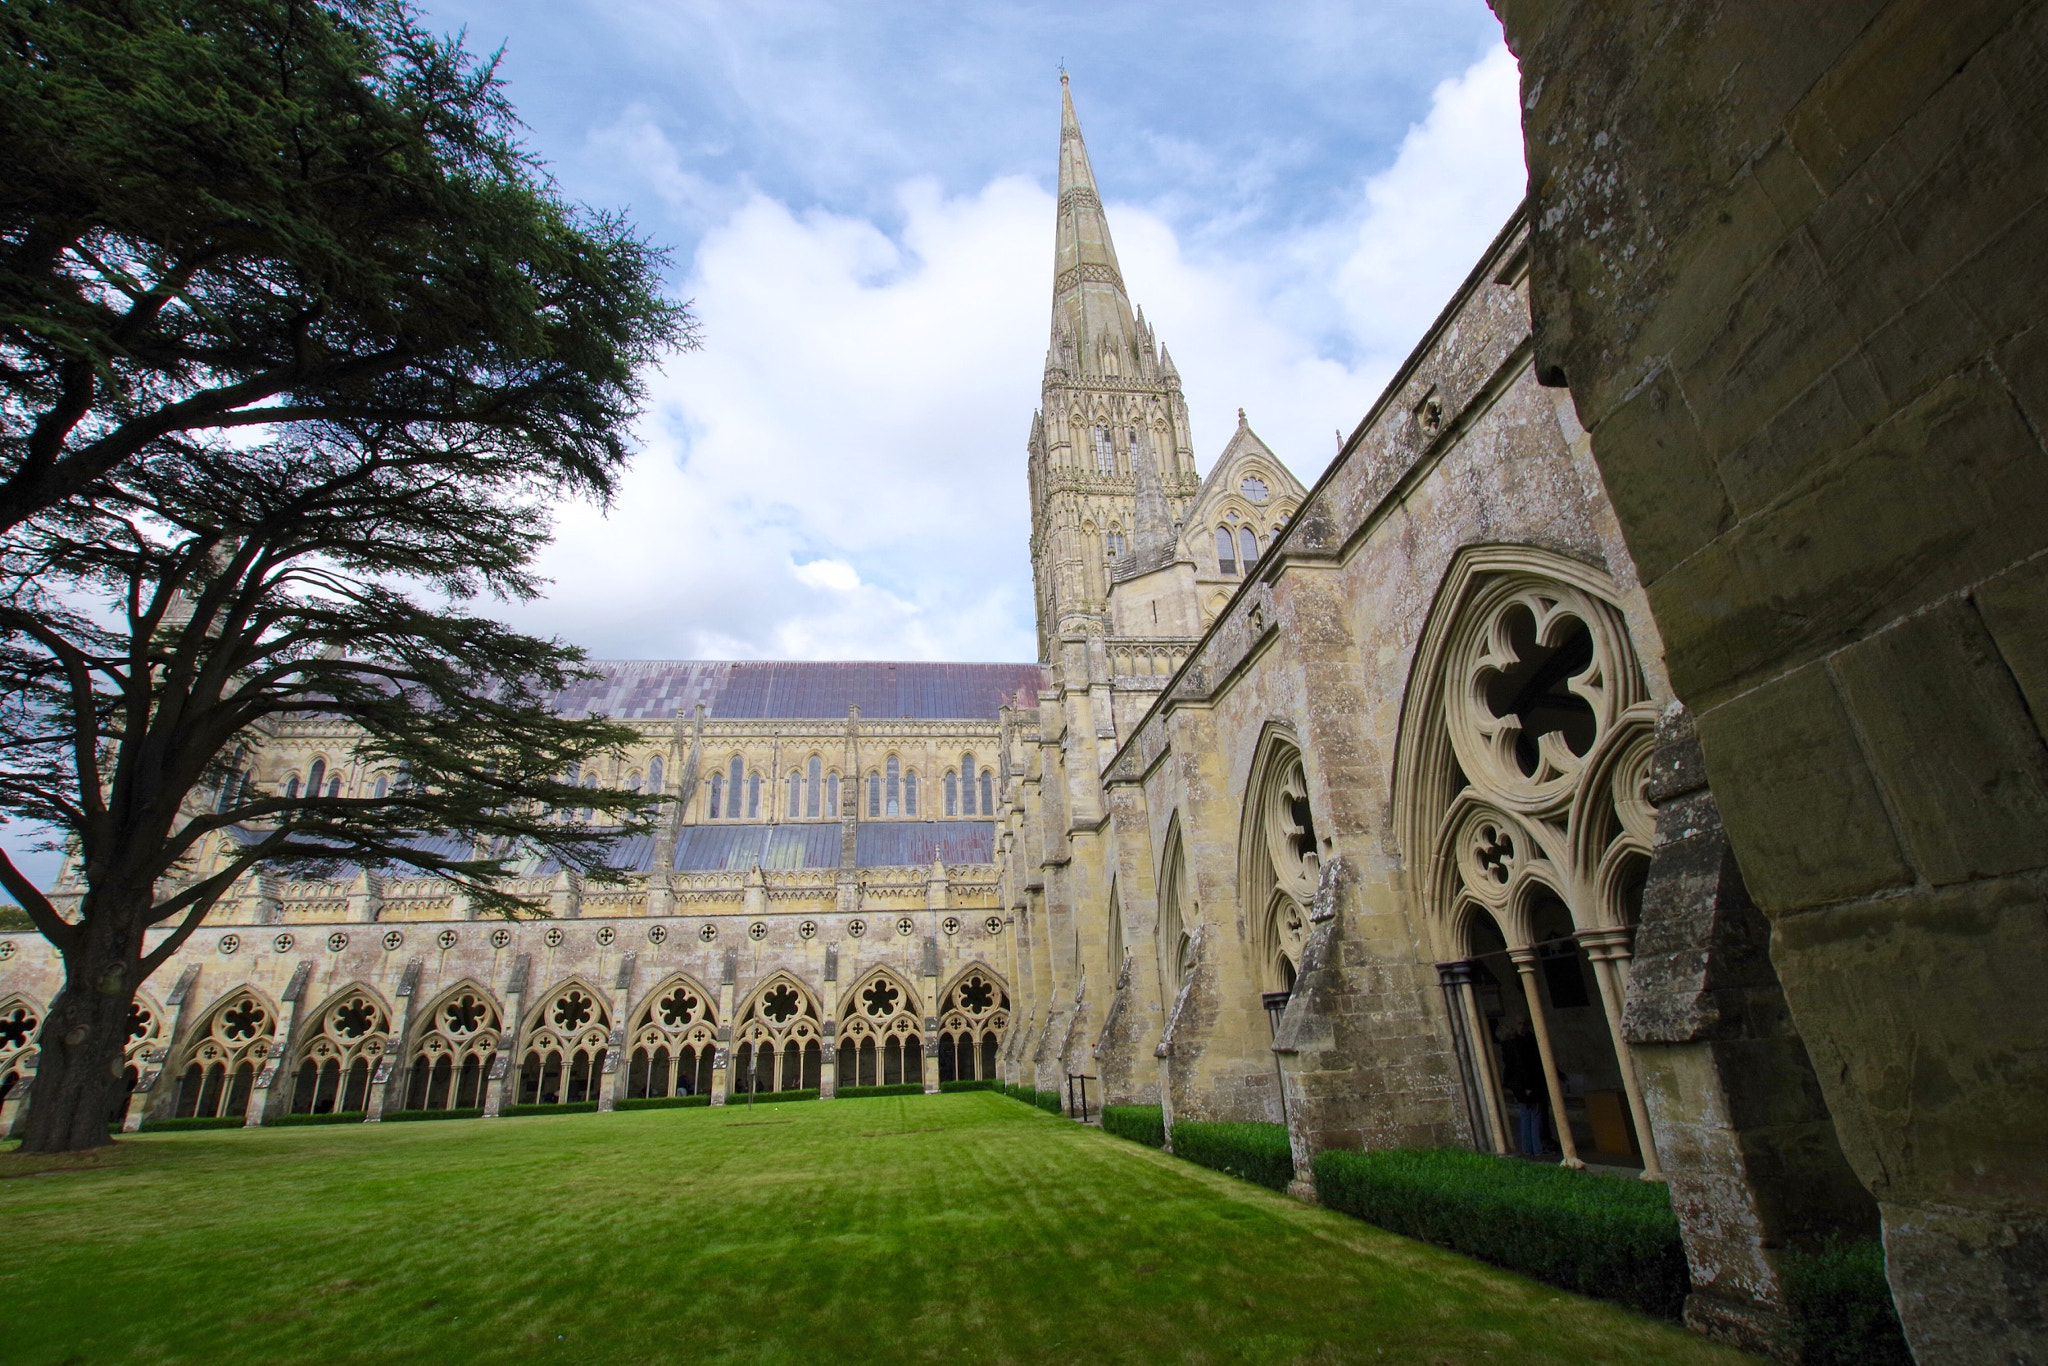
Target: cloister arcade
<point x="881" y="1032"/>
<point x="236" y="1039"/>
<point x="1524" y="763"/>
<point x="674" y="1041"/>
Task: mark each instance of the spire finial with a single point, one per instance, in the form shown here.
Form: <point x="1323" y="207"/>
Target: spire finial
<point x="1240" y="417"/>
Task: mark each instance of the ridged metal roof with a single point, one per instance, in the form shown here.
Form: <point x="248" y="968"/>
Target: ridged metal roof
<point x="914" y="844"/>
<point x="736" y="848"/>
<point x="648" y="690"/>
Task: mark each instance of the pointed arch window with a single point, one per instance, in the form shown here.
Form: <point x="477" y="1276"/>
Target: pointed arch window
<point x="952" y="793"/>
<point x="717" y="794"/>
<point x="737" y="769"/>
<point x="967" y="784"/>
<point x="988" y="805"/>
<point x="874" y="794"/>
<point x="910" y="793"/>
<point x="753" y="796"/>
<point x="1226" y="551"/>
<point x="291" y="787"/>
<point x="893" y="793"/>
<point x="1105" y="452"/>
<point x="383" y="786"/>
<point x="796" y="794"/>
<point x="1248" y="547"/>
<point x="815" y="793"/>
<point x="831" y="794"/>
<point x="654" y="775"/>
<point x="316" y="777"/>
<point x="334" y="786"/>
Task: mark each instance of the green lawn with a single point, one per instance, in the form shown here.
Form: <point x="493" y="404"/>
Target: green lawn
<point x="947" y="1228"/>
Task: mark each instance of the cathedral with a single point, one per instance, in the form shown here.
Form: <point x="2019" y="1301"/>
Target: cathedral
<point x="1367" y="808"/>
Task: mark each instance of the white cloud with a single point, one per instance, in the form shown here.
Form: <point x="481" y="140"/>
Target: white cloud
<point x="840" y="471"/>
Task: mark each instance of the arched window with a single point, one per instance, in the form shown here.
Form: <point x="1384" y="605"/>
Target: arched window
<point x="334" y="787"/>
<point x="988" y="805"/>
<point x="894" y="792"/>
<point x="738" y="771"/>
<point x="590" y="780"/>
<point x="874" y="794"/>
<point x="796" y="794"/>
<point x="952" y="793"/>
<point x="910" y="793"/>
<point x="654" y="775"/>
<point x="1248" y="547"/>
<point x="1226" y="551"/>
<point x="811" y="800"/>
<point x="315" y="778"/>
<point x="753" y="796"/>
<point x="717" y="794"/>
<point x="832" y="794"/>
<point x="291" y="787"/>
<point x="383" y="786"/>
<point x="1105" y="452"/>
<point x="632" y="782"/>
<point x="967" y="784"/>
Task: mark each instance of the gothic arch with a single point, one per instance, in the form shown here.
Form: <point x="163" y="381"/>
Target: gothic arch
<point x="881" y="1030"/>
<point x="339" y="1046"/>
<point x="565" y="1045"/>
<point x="1173" y="933"/>
<point x="672" y="1040"/>
<point x="452" y="1049"/>
<point x="20" y="1018"/>
<point x="1465" y="775"/>
<point x="1278" y="859"/>
<point x="1520" y="802"/>
<point x="219" y="1066"/>
<point x="778" y="1036"/>
<point x="973" y="1016"/>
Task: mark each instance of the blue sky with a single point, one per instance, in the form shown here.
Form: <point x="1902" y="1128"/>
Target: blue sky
<point x="858" y="196"/>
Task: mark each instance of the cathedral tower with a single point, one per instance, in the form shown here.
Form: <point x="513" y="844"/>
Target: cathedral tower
<point x="1112" y="463"/>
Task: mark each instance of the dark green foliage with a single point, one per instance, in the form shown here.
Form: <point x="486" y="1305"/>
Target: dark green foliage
<point x="401" y="1116"/>
<point x="15" y="918"/>
<point x="1842" y="1312"/>
<point x="1144" y="1124"/>
<point x="1597" y="1235"/>
<point x="771" y="1097"/>
<point x="1049" y="1100"/>
<point x="581" y="1107"/>
<point x="337" y="1117"/>
<point x="662" y="1103"/>
<point x="1252" y="1152"/>
<point x="297" y="349"/>
<point x="154" y="1126"/>
<point x="908" y="1088"/>
<point x="983" y="1085"/>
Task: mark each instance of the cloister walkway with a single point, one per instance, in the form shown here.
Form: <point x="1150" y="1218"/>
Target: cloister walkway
<point x="957" y="1228"/>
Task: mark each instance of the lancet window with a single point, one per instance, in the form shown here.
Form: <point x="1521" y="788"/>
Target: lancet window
<point x="881" y="1032"/>
<point x="346" y="1042"/>
<point x="967" y="784"/>
<point x="451" y="1058"/>
<point x="674" y="1042"/>
<point x="893" y="788"/>
<point x="566" y="1048"/>
<point x="817" y="789"/>
<point x="1280" y="863"/>
<point x="910" y="792"/>
<point x="974" y="1013"/>
<point x="952" y="785"/>
<point x="1226" y="551"/>
<point x="777" y="1039"/>
<point x="220" y="1068"/>
<point x="1248" y="547"/>
<point x="874" y="794"/>
<point x="654" y="774"/>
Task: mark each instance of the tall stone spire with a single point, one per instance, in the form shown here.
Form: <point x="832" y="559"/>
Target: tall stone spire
<point x="1089" y="306"/>
<point x="1112" y="466"/>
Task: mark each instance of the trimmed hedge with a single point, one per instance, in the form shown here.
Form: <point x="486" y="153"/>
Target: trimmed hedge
<point x="1144" y="1124"/>
<point x="771" y="1097"/>
<point x="159" y="1126"/>
<point x="1252" y="1152"/>
<point x="337" y="1117"/>
<point x="1015" y="1092"/>
<point x="406" y="1116"/>
<point x="907" y="1088"/>
<point x="1598" y="1235"/>
<point x="1842" y="1312"/>
<point x="661" y="1102"/>
<point x="580" y="1107"/>
<point x="1051" y="1100"/>
<point x="949" y="1087"/>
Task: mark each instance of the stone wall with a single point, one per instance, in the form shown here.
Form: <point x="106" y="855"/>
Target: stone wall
<point x="1788" y="259"/>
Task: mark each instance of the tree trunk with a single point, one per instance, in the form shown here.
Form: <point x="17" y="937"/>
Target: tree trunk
<point x="78" y="1070"/>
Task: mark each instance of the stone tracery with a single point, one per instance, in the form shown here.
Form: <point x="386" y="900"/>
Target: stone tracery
<point x="228" y="1051"/>
<point x="674" y="1041"/>
<point x="777" y="1040"/>
<point x="452" y="1050"/>
<point x="881" y="1032"/>
<point x="348" y="1037"/>
<point x="567" y="1043"/>
<point x="974" y="1014"/>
